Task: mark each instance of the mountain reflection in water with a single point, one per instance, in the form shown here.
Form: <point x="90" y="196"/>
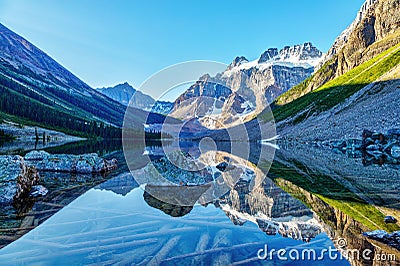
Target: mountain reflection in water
<point x="118" y="222"/>
<point x="299" y="205"/>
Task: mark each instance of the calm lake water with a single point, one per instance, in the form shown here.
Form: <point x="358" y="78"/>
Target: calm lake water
<point x="104" y="220"/>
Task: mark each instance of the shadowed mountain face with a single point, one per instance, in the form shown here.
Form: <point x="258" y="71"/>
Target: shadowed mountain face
<point x="43" y="79"/>
<point x="25" y="70"/>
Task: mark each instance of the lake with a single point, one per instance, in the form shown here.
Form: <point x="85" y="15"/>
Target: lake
<point x="312" y="203"/>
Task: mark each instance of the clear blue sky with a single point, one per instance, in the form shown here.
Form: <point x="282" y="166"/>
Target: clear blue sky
<point x="108" y="42"/>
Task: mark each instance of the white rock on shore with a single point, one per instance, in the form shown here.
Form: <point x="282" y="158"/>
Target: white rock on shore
<point x="18" y="174"/>
<point x="83" y="164"/>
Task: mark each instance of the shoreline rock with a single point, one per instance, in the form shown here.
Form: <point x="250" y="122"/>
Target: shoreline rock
<point x="89" y="163"/>
<point x="19" y="175"/>
<point x="10" y="169"/>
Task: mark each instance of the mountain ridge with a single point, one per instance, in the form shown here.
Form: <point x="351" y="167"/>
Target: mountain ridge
<point x="246" y="87"/>
<point x="38" y="90"/>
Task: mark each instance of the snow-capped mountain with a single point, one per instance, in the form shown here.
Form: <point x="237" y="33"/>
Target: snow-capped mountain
<point x="246" y="87"/>
<point x="305" y="55"/>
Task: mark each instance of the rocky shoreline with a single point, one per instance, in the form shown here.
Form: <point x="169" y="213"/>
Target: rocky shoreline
<point x="19" y="175"/>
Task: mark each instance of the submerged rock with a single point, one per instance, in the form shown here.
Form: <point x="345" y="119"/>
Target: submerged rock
<point x="38" y="191"/>
<point x="84" y="164"/>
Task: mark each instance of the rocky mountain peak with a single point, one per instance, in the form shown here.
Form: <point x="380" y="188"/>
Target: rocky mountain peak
<point x="205" y="77"/>
<point x="304" y="51"/>
<point x="268" y="55"/>
<point x="238" y="61"/>
<point x="343" y="38"/>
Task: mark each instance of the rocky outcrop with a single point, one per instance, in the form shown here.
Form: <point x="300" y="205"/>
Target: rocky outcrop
<point x="374" y="30"/>
<point x="378" y="19"/>
<point x="19" y="176"/>
<point x="83" y="164"/>
<point x="9" y="170"/>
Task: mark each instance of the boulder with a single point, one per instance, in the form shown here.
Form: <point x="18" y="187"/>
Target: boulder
<point x="390" y="220"/>
<point x="10" y="168"/>
<point x="16" y="178"/>
<point x="83" y="164"/>
<point x="36" y="155"/>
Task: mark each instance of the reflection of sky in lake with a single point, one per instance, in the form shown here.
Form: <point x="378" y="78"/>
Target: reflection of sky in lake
<point x="102" y="227"/>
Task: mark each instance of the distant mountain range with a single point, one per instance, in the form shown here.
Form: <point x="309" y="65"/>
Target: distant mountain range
<point x="123" y="93"/>
<point x="126" y="94"/>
